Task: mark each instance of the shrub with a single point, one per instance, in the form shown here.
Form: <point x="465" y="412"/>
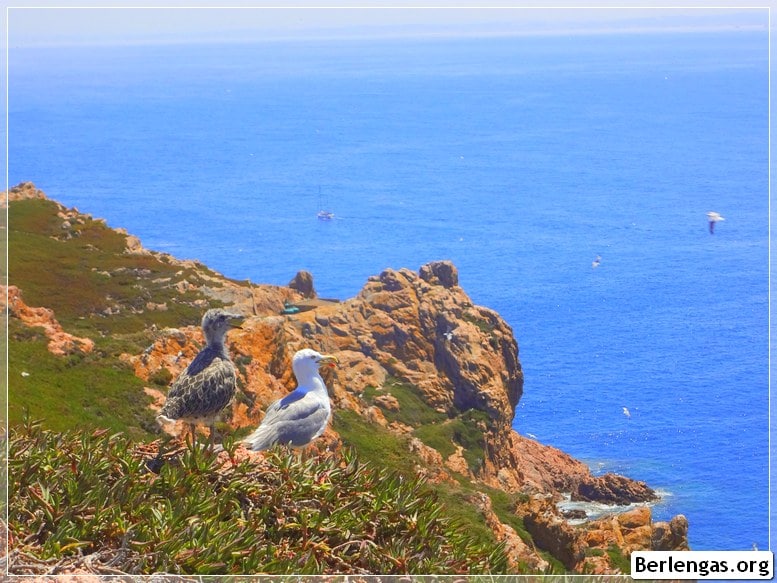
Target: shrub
<point x="78" y="494"/>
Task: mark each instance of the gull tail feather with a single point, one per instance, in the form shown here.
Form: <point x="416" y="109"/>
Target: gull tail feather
<point x="259" y="440"/>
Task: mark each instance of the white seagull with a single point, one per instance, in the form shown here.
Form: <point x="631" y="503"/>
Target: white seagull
<point x="302" y="415"/>
<point x="626" y="412"/>
<point x="713" y="218"/>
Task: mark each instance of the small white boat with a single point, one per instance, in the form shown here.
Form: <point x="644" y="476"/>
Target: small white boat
<point x="323" y="214"/>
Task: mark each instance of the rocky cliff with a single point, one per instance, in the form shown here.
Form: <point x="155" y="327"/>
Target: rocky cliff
<point x="421" y="363"/>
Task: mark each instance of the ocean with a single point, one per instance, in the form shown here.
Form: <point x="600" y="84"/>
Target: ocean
<point x="522" y="160"/>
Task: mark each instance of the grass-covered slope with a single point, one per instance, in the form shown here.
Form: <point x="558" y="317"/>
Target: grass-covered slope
<point x="79" y="390"/>
<point x="326" y="514"/>
<point x="95" y="290"/>
<point x="83" y="273"/>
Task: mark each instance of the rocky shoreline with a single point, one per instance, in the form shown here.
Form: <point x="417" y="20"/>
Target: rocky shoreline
<point x="420" y="361"/>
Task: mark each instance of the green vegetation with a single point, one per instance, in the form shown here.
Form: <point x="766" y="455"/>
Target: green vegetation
<point x="618" y="559"/>
<point x="436" y="429"/>
<point x="162" y="377"/>
<point x="385" y="449"/>
<point x="592" y="552"/>
<point x="463" y="430"/>
<point x="82" y="494"/>
<point x="83" y="278"/>
<point x="413" y="409"/>
<point x="374" y="443"/>
<point x="484" y="325"/>
<point x="504" y="505"/>
<point x="74" y="391"/>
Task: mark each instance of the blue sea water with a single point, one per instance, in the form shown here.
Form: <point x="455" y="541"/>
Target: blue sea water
<point x="521" y="159"/>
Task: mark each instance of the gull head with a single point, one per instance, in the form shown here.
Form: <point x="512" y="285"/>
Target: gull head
<point x="307" y="361"/>
<point x="216" y="323"/>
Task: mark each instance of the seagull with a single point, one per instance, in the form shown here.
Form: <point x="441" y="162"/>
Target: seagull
<point x="302" y="415"/>
<point x="626" y="412"/>
<point x="713" y="218"/>
<point x="596" y="262"/>
<point x="208" y="384"/>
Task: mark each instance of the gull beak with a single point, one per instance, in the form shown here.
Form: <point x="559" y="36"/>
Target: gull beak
<point x="235" y="320"/>
<point x="328" y="360"/>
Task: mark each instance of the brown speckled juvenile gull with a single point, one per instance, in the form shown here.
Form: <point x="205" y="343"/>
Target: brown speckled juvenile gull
<point x="303" y="414"/>
<point x="208" y="384"/>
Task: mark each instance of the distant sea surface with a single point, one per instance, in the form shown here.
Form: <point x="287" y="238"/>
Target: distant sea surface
<point x="521" y="160"/>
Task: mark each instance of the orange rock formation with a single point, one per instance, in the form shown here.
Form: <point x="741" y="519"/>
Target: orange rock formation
<point x="60" y="342"/>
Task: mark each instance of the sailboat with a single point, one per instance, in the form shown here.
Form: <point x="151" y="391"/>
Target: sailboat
<point x="323" y="214"/>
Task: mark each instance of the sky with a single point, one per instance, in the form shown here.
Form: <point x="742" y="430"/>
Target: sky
<point x="182" y="22"/>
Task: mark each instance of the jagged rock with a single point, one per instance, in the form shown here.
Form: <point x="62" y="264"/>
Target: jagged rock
<point x="303" y="283"/>
<point x="401" y="322"/>
<point x="574" y="514"/>
<point x="457" y="463"/>
<point x="635" y="529"/>
<point x="630" y="531"/>
<point x="527" y="465"/>
<point x="670" y="536"/>
<point x="552" y="533"/>
<point x="442" y="273"/>
<point x="387" y="402"/>
<point x="613" y="489"/>
<point x="517" y="550"/>
<point x="375" y="415"/>
<point x="430" y="463"/>
<point x="60" y="342"/>
<point x="25" y="190"/>
<point x="135" y="247"/>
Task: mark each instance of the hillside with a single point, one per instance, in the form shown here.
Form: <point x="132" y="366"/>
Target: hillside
<point x="426" y="389"/>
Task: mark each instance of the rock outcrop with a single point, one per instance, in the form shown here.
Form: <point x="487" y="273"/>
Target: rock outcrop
<point x="22" y="191"/>
<point x="423" y="330"/>
<point x="670" y="536"/>
<point x="303" y="283"/>
<point x="613" y="489"/>
<point x="623" y="533"/>
<point x="418" y="359"/>
<point x="60" y="343"/>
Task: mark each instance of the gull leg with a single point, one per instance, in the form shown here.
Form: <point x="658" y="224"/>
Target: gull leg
<point x="212" y="438"/>
<point x="193" y="429"/>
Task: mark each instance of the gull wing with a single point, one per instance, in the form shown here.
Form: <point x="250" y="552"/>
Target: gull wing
<point x="295" y="420"/>
<point x="201" y="394"/>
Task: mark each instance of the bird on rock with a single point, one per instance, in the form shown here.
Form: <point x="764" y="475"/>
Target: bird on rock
<point x="208" y="384"/>
<point x="302" y="415"/>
